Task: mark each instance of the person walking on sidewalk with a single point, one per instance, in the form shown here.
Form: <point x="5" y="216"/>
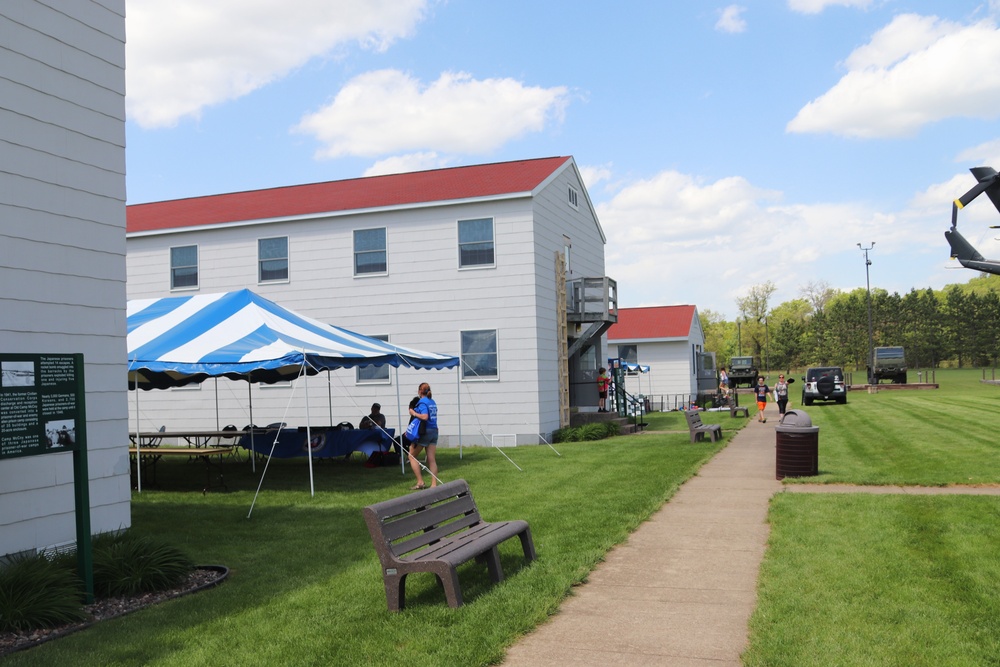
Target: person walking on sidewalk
<point x="761" y="391"/>
<point x="781" y="397"/>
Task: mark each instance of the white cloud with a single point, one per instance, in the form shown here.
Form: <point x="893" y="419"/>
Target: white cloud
<point x="731" y="19"/>
<point x="400" y="164"/>
<point x="186" y="55"/>
<point x="387" y="111"/>
<point x="817" y="6"/>
<point x="673" y="238"/>
<point x="594" y="174"/>
<point x="915" y="71"/>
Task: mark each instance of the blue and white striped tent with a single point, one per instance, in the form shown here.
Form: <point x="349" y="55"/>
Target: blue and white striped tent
<point x="179" y="340"/>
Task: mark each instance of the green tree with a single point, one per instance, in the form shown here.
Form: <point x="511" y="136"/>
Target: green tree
<point x="753" y="310"/>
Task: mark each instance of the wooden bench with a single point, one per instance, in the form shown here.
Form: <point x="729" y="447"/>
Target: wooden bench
<point x="698" y="430"/>
<point x="436" y="530"/>
<point x="735" y="410"/>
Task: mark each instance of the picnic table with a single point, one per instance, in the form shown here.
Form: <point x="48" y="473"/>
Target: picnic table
<point x="147" y="458"/>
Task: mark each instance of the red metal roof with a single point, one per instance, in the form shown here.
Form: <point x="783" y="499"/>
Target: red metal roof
<point x="456" y="183"/>
<point x="652" y="322"/>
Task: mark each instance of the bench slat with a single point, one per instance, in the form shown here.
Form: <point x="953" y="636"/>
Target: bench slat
<point x="421" y="540"/>
<point x="396" y="528"/>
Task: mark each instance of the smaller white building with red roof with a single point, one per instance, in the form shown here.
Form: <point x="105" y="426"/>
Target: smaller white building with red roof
<point x="670" y="341"/>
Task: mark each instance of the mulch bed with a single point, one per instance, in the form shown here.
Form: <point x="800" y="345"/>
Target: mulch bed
<point x="202" y="577"/>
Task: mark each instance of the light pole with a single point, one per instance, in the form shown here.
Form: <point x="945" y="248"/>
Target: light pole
<point x="868" y="287"/>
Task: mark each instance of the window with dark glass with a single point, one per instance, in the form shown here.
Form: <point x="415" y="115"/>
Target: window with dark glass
<point x="475" y="242"/>
<point x="374" y="373"/>
<point x="369" y="251"/>
<point x="479" y="354"/>
<point x="272" y="259"/>
<point x="184" y="266"/>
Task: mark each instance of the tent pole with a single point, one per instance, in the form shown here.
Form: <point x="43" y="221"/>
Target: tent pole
<point x="399" y="418"/>
<point x="217" y="427"/>
<point x="138" y="441"/>
<point x="329" y="395"/>
<point x="253" y="450"/>
<point x="309" y="449"/>
<point x="458" y="392"/>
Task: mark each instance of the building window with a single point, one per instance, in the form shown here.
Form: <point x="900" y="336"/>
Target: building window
<point x="184" y="266"/>
<point x="568" y="253"/>
<point x="574" y="197"/>
<point x="272" y="259"/>
<point x="369" y="251"/>
<point x="374" y="374"/>
<point x="629" y="354"/>
<point x="479" y="355"/>
<point x="475" y="242"/>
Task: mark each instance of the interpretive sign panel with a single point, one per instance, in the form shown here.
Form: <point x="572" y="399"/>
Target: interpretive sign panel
<point x="40" y="404"/>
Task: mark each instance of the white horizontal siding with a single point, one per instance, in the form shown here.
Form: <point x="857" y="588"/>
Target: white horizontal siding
<point x="62" y="228"/>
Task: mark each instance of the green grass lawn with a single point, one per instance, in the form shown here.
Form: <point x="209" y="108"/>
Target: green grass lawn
<point x="922" y="437"/>
<point x="860" y="579"/>
<point x="905" y="580"/>
<point x="305" y="586"/>
<point x="847" y="579"/>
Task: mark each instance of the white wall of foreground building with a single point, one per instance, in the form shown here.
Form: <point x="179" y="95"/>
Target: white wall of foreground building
<point x="62" y="247"/>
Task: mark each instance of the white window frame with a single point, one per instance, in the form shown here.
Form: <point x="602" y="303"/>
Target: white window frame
<point x="573" y="196"/>
<point x="379" y="369"/>
<point x="492" y="242"/>
<point x="469" y="375"/>
<point x="357" y="253"/>
<point x="197" y="268"/>
<point x="261" y="260"/>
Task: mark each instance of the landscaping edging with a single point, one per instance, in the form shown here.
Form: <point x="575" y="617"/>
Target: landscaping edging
<point x="198" y="580"/>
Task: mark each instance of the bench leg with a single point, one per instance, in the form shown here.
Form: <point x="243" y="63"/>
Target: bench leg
<point x="492" y="560"/>
<point x="395" y="590"/>
<point x="527" y="544"/>
<point x="452" y="589"/>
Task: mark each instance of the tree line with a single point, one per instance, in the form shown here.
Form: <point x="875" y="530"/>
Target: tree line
<point x="953" y="327"/>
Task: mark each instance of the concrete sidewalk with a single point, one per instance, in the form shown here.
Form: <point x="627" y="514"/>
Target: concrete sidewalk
<point x="681" y="589"/>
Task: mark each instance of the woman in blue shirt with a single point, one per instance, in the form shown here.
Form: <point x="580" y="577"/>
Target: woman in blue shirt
<point x="426" y="410"/>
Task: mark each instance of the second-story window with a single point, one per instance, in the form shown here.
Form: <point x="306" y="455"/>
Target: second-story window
<point x="184" y="267"/>
<point x="369" y="251"/>
<point x="475" y="243"/>
<point x="374" y="374"/>
<point x="272" y="259"/>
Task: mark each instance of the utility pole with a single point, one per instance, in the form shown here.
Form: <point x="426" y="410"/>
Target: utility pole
<point x="868" y="287"/>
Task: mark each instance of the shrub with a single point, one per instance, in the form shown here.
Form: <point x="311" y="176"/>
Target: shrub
<point x="38" y="593"/>
<point x="568" y="434"/>
<point x="596" y="431"/>
<point x="127" y="564"/>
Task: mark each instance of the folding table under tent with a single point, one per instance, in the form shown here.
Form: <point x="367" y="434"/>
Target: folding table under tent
<point x="180" y="340"/>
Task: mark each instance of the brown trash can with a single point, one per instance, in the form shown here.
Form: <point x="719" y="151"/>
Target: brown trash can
<point x="796" y="446"/>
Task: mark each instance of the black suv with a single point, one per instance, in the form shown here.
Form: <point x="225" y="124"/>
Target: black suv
<point x="825" y="383"/>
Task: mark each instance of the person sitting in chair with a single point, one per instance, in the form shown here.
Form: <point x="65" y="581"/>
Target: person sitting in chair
<point x="375" y="419"/>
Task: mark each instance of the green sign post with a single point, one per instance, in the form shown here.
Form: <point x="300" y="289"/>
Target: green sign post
<point x="43" y="411"/>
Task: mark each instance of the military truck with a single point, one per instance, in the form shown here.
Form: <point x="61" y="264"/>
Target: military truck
<point x="742" y="371"/>
<point x="889" y="364"/>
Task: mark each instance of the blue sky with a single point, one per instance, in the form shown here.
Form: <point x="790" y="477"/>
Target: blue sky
<point x="723" y="145"/>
